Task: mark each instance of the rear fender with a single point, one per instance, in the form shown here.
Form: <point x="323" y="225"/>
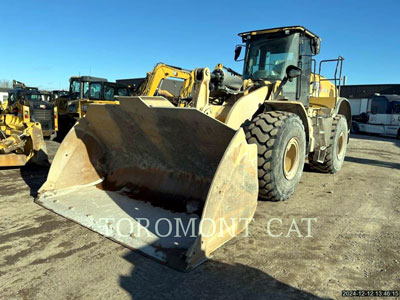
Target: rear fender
<point x="343" y="108"/>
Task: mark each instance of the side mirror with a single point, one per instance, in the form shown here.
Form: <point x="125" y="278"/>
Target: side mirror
<point x="315" y="45"/>
<point x="292" y="72"/>
<point x="238" y="50"/>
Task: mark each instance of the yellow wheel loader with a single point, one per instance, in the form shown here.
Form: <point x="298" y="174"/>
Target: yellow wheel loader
<point x="177" y="182"/>
<point x="21" y="140"/>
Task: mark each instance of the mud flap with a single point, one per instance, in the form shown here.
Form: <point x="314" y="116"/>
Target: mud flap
<point x="170" y="182"/>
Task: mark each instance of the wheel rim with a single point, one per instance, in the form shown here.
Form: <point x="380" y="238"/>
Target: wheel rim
<point x="340" y="146"/>
<point x="291" y="159"/>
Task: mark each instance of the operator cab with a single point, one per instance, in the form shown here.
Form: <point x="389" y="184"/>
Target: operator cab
<point x="29" y="96"/>
<point x="81" y="85"/>
<point x="281" y="56"/>
<point x="95" y="88"/>
<point x="59" y="94"/>
<point x="112" y="89"/>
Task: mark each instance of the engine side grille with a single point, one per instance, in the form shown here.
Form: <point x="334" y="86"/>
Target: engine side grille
<point x="44" y="117"/>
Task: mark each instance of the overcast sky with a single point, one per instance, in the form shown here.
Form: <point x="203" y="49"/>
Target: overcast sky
<point x="43" y="43"/>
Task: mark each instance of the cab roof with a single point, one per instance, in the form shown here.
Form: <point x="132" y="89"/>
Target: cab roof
<point x="26" y="91"/>
<point x="88" y="78"/>
<point x="278" y="29"/>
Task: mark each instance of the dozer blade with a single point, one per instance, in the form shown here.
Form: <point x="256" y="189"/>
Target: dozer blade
<point x="34" y="149"/>
<point x="170" y="182"/>
<point x="37" y="147"/>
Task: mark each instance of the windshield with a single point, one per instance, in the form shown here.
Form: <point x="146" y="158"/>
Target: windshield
<point x="268" y="58"/>
<point x="60" y="94"/>
<point x="33" y="97"/>
<point x="380" y="105"/>
<point x="46" y="97"/>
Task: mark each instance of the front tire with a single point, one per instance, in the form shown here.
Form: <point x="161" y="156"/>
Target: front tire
<point x="336" y="151"/>
<point x="280" y="139"/>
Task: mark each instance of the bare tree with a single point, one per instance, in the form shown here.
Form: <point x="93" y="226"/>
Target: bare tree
<point x="5" y="83"/>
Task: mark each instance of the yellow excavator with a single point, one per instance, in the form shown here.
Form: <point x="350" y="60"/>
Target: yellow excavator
<point x="21" y="140"/>
<point x="152" y="85"/>
<point x="178" y="182"/>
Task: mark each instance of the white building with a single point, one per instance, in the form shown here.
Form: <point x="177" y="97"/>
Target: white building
<point x="3" y="94"/>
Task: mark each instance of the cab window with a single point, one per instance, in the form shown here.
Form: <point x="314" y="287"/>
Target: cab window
<point x="108" y="93"/>
<point x="12" y="98"/>
<point x="95" y="91"/>
<point x="123" y="92"/>
<point x="86" y="90"/>
<point x="75" y="89"/>
<point x="33" y="97"/>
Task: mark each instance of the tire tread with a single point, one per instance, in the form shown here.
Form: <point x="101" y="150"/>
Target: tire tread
<point x="263" y="130"/>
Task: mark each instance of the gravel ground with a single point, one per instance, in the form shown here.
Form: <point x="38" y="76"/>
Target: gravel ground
<point x="354" y="243"/>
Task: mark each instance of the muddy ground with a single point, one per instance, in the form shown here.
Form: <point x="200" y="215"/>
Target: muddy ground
<point x="355" y="242"/>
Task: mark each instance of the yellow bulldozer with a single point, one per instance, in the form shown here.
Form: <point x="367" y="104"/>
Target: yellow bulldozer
<point x="41" y="110"/>
<point x="178" y="181"/>
<point x="21" y="140"/>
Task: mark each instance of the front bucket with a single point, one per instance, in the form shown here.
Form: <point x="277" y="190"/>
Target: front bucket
<point x="170" y="182"/>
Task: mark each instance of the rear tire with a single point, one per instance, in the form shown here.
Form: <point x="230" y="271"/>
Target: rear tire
<point x="336" y="151"/>
<point x="280" y="140"/>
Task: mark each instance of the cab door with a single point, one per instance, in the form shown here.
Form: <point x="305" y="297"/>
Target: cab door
<point x="396" y="115"/>
<point x="394" y="123"/>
